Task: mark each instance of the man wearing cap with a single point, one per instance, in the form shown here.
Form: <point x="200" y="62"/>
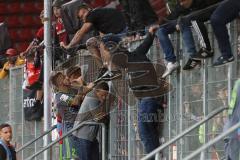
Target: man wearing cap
<point x="13" y="60"/>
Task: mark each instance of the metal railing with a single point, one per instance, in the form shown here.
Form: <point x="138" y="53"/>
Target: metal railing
<point x="37" y="138"/>
<point x="71" y="131"/>
<point x="208" y="117"/>
<point x="213" y="141"/>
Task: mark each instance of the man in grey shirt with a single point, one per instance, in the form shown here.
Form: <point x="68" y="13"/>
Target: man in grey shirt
<point x="92" y="107"/>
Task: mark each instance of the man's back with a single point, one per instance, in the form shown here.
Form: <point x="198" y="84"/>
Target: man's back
<point x="107" y="20"/>
<point x="89" y="104"/>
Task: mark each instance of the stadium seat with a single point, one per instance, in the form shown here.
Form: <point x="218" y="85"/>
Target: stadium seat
<point x="28" y="21"/>
<point x="3" y="8"/>
<point x="13" y="21"/>
<point x="25" y="34"/>
<point x="29" y="7"/>
<point x="37" y="21"/>
<point x="14" y="35"/>
<point x="1" y="19"/>
<point x="38" y="7"/>
<point x="14" y="7"/>
<point x="21" y="46"/>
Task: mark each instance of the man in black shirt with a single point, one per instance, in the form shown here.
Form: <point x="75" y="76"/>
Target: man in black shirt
<point x="104" y="20"/>
<point x="7" y="151"/>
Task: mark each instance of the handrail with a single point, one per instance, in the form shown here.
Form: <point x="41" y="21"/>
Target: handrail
<point x="37" y="138"/>
<point x="213" y="141"/>
<point x="68" y="133"/>
<point x="165" y="145"/>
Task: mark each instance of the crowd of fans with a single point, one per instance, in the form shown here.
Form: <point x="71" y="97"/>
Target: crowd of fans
<point x="107" y="28"/>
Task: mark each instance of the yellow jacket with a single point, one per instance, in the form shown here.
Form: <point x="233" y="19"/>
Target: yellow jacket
<point x="4" y="73"/>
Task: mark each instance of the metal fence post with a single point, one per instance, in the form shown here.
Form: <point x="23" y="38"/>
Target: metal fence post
<point x="104" y="142"/>
<point x="47" y="70"/>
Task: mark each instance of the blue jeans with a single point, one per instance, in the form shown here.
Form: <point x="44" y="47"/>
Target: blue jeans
<point x="166" y="43"/>
<point x="67" y="147"/>
<point x="148" y="121"/>
<point x="85" y="149"/>
<point x="225" y="13"/>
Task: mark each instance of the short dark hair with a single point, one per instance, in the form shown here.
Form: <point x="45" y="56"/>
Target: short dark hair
<point x="3" y="125"/>
<point x="53" y="78"/>
<point x="83" y="6"/>
<point x="102" y="86"/>
<point x="72" y="70"/>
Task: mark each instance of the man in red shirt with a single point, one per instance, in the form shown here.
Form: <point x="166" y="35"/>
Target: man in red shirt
<point x="60" y="29"/>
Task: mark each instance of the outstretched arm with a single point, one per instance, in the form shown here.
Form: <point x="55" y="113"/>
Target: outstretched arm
<point x="148" y="41"/>
<point x="78" y="36"/>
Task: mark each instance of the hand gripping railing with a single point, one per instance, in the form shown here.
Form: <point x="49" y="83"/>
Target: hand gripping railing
<point x="213" y="141"/>
<point x="165" y="145"/>
<point x="37" y="138"/>
<point x="72" y="130"/>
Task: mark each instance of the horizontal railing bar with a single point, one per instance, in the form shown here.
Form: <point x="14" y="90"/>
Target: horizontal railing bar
<point x="213" y="141"/>
<point x="62" y="137"/>
<point x="37" y="138"/>
<point x="208" y="117"/>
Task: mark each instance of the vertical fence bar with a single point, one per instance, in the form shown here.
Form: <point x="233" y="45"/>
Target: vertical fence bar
<point x="169" y="118"/>
<point x="103" y="141"/>
<point x="157" y="156"/>
<point x="47" y="71"/>
<point x="181" y="51"/>
<point x="129" y="131"/>
<point x="35" y="135"/>
<point x="205" y="111"/>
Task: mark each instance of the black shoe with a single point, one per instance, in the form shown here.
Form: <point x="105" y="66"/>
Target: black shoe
<point x="203" y="53"/>
<point x="111" y="75"/>
<point x="37" y="111"/>
<point x="102" y="71"/>
<point x="191" y="63"/>
<point x="108" y="76"/>
<point x="222" y="61"/>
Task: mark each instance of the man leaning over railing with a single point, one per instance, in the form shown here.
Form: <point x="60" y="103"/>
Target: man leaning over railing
<point x="183" y="22"/>
<point x="226" y="12"/>
<point x="104" y="20"/>
<point x="92" y="108"/>
<point x="143" y="81"/>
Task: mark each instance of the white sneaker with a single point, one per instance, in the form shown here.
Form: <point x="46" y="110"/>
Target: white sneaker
<point x="170" y="68"/>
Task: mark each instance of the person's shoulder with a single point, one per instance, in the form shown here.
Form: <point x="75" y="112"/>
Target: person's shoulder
<point x="90" y="95"/>
<point x="1" y="147"/>
<point x="2" y="152"/>
<point x="90" y="98"/>
<point x="20" y="61"/>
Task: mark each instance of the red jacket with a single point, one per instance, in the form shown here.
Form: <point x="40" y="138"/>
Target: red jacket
<point x="32" y="73"/>
<point x="61" y="32"/>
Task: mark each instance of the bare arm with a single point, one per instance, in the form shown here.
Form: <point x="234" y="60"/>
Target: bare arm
<point x="77" y="100"/>
<point x="147" y="43"/>
<point x="79" y="35"/>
